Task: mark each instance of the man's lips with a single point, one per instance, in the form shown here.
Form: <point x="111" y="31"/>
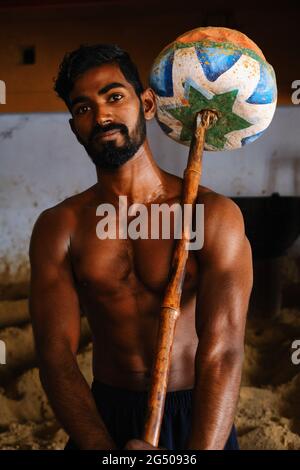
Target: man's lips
<point x="107" y="134"/>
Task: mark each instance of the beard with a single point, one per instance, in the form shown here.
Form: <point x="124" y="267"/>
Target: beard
<point x="109" y="155"/>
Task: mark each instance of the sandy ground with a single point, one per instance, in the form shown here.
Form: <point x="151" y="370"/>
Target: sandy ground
<point x="268" y="415"/>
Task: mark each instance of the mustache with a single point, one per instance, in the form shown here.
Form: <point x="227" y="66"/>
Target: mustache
<point x="98" y="129"/>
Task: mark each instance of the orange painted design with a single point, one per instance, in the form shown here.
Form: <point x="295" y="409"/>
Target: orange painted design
<point x="212" y="33"/>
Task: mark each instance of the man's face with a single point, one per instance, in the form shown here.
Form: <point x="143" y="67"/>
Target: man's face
<point x="108" y="117"/>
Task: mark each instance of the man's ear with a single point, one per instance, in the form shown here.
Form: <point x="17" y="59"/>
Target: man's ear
<point x="149" y="103"/>
<point x="71" y="122"/>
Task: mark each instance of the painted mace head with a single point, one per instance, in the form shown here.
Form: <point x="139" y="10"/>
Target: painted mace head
<point x="218" y="69"/>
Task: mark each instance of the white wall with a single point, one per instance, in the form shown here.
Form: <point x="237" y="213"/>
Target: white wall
<point x="270" y="164"/>
<point x="41" y="163"/>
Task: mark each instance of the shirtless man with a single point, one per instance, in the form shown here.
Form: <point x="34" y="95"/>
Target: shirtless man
<point x="119" y="283"/>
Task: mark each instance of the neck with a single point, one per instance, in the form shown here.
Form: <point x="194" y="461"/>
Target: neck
<point x="140" y="179"/>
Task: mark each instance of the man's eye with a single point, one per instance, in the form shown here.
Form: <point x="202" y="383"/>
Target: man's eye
<point x="82" y="109"/>
<point x="115" y="97"/>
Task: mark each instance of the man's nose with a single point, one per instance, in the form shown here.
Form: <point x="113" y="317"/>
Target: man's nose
<point x="103" y="115"/>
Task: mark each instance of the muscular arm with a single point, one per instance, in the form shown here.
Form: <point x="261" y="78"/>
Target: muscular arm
<point x="55" y="313"/>
<point x="222" y="302"/>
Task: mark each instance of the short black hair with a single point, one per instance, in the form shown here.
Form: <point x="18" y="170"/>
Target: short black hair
<point x="86" y="57"/>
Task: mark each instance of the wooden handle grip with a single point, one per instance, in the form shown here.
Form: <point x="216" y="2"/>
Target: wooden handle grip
<point x="168" y="317"/>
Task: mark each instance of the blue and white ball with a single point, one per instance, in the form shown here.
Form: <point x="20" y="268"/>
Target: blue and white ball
<point x="219" y="69"/>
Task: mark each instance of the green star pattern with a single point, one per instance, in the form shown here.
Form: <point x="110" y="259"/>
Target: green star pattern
<point x="227" y="122"/>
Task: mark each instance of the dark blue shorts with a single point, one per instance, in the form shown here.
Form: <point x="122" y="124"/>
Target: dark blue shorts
<point x="123" y="412"/>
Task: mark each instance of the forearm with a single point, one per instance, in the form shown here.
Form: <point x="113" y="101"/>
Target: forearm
<point x="73" y="403"/>
<point x="215" y="396"/>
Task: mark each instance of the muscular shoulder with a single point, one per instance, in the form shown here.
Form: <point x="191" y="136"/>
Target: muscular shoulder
<point x="224" y="229"/>
<point x="58" y="220"/>
<point x="51" y="234"/>
<point x="220" y="211"/>
<point x="55" y="225"/>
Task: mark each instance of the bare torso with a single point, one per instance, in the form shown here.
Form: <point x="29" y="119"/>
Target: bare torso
<point x="121" y="284"/>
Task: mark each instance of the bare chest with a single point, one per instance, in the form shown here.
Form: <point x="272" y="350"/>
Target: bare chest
<point x="113" y="265"/>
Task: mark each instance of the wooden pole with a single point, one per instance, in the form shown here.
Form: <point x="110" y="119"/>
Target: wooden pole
<point x="170" y="309"/>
